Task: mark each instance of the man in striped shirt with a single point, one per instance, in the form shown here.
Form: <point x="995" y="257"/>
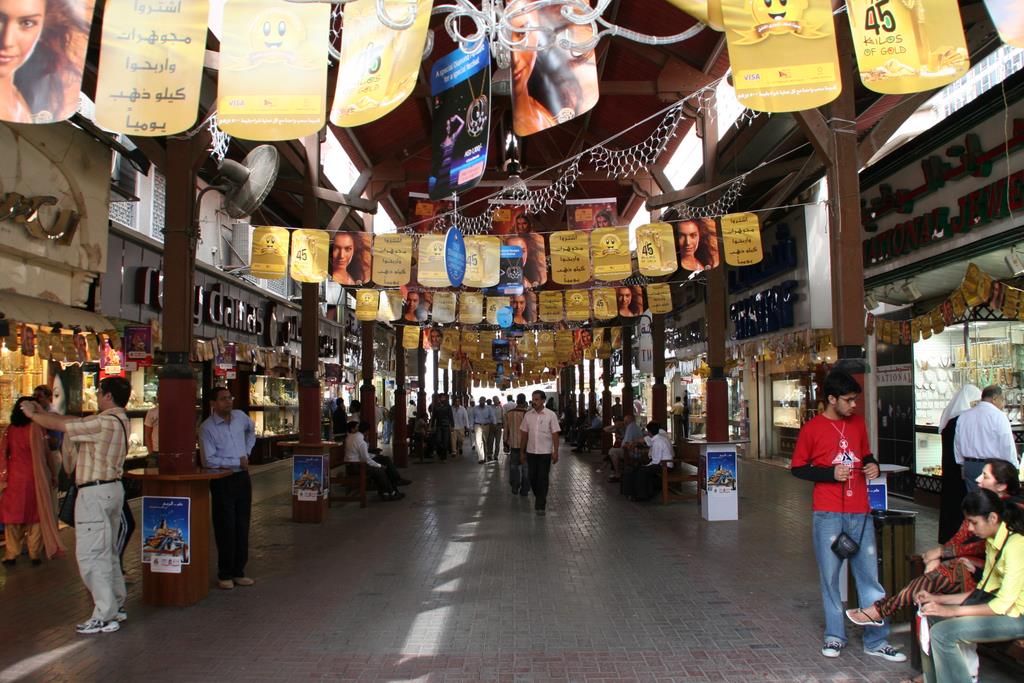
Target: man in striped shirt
<point x="517" y="468"/>
<point x="102" y="441"/>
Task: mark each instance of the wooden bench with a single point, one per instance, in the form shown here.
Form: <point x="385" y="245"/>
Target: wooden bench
<point x="347" y="487"/>
<point x="676" y="475"/>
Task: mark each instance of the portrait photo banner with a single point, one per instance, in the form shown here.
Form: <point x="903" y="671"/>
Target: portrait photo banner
<point x="351" y="259"/>
<point x="460" y="88"/>
<point x="379" y="65"/>
<point x="309" y="255"/>
<point x="550" y="84"/>
<point x="587" y="214"/>
<point x="392" y="260"/>
<point x="902" y="47"/>
<point x="784" y="57"/>
<point x="269" y="253"/>
<point x="273" y="69"/>
<point x="151" y="66"/>
<point x="741" y="239"/>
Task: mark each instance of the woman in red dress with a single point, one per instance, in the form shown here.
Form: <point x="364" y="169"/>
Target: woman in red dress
<point x="26" y="479"/>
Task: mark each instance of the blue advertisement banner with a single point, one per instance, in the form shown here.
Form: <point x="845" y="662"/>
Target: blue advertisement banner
<point x="166" y="532"/>
<point x="460" y="87"/>
<point x="721" y="472"/>
<point x="308" y="477"/>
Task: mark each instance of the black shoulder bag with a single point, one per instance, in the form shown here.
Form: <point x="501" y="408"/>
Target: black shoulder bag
<point x="844" y="546"/>
<point x="979" y="596"/>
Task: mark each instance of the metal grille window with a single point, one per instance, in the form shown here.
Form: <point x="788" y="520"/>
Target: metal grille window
<point x="159" y="206"/>
<point x="123" y="213"/>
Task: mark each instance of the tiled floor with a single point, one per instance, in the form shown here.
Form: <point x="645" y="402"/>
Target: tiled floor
<point x="462" y="582"/>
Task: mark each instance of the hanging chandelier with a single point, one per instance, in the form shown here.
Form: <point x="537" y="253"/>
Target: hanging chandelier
<point x="513" y="26"/>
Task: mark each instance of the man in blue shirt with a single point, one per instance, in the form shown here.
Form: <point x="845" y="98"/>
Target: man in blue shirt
<point x="228" y="437"/>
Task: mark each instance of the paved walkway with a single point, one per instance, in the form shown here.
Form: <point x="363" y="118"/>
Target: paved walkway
<point x="462" y="582"/>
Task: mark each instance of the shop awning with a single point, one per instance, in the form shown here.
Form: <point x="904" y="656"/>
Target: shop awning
<point x="27" y="309"/>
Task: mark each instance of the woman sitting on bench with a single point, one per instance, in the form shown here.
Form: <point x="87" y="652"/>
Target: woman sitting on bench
<point x="994" y="612"/>
<point x="949" y="568"/>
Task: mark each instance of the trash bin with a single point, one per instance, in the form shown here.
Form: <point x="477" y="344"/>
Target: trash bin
<point x="894" y="539"/>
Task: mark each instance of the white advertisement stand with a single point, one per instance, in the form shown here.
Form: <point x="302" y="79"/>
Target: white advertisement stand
<point x="719" y="477"/>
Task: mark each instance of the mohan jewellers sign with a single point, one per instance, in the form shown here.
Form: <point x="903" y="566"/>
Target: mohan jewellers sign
<point x="968" y="211"/>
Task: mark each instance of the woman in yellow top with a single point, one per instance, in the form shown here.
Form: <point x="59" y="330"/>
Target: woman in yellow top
<point x="992" y="618"/>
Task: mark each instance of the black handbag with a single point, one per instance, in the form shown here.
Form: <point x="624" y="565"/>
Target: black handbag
<point x="66" y="513"/>
<point x="979" y="596"/>
<point x="844" y="546"/>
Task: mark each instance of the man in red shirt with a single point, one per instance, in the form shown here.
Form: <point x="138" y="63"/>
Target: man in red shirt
<point x="833" y="451"/>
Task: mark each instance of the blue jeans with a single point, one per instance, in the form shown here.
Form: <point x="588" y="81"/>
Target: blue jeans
<point x="518" y="476"/>
<point x="386" y="436"/>
<point x="864" y="566"/>
<point x="946" y="663"/>
<point x="971" y="470"/>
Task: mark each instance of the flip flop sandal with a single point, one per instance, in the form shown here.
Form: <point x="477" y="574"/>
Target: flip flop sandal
<point x="867" y="621"/>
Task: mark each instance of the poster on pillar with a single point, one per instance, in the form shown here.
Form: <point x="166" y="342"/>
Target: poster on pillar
<point x="309" y="255"/>
<point x="443" y="309"/>
<point x="166" y="533"/>
<point x="698" y="244"/>
<point x="741" y="239"/>
<point x="610" y="250"/>
<point x="268" y="257"/>
<point x="136" y="100"/>
<point x="570" y="257"/>
<point x="655" y="249"/>
<point x="42" y="61"/>
<point x="783" y="56"/>
<point x="416" y="306"/>
<point x="483" y="261"/>
<point x="379" y="65"/>
<point x="351" y="263"/>
<point x="272" y="83"/>
<point x="367" y="304"/>
<point x="902" y="47"/>
<point x="460" y="88"/>
<point x="588" y="214"/>
<point x="1009" y="20"/>
<point x="629" y="300"/>
<point x="392" y="260"/>
<point x="551" y="84"/>
<point x="309" y="483"/>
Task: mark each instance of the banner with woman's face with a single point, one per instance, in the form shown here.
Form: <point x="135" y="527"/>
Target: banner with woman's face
<point x="42" y="53"/>
<point x="697" y="241"/>
<point x="351" y="259"/>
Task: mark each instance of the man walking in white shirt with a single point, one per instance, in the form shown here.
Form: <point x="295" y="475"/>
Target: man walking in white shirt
<point x="540" y="431"/>
<point x="494" y="434"/>
<point x="481" y="415"/>
<point x="982" y="433"/>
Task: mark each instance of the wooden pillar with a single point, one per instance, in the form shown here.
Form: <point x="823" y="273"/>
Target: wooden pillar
<point x="593" y="385"/>
<point x="445" y="371"/>
<point x="367" y="392"/>
<point x="421" y="371"/>
<point x="399" y="441"/>
<point x="659" y="394"/>
<point x="310" y="397"/>
<point x="606" y="404"/>
<point x="177" y="387"/>
<point x="582" y="413"/>
<point x="627" y="371"/>
<point x="437" y="388"/>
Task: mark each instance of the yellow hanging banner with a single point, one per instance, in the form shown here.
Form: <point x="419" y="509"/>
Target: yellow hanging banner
<point x="741" y="239"/>
<point x="659" y="298"/>
<point x="564" y="344"/>
<point x="605" y="306"/>
<point x="570" y="257"/>
<point x="367" y="304"/>
<point x="656" y="249"/>
<point x="309" y="255"/>
<point x="392" y="260"/>
<point x="494" y="303"/>
<point x="268" y="258"/>
<point x="430" y="270"/>
<point x="551" y="307"/>
<point x="528" y="344"/>
<point x="411" y="337"/>
<point x="783" y="56"/>
<point x="546" y="343"/>
<point x="379" y="65"/>
<point x="1009" y="20"/>
<point x="451" y="340"/>
<point x="616" y="337"/>
<point x="391" y="305"/>
<point x="577" y="305"/>
<point x="151" y="66"/>
<point x="272" y="83"/>
<point x="610" y="247"/>
<point x="471" y="307"/>
<point x="444" y="307"/>
<point x="483" y="261"/>
<point x="904" y="48"/>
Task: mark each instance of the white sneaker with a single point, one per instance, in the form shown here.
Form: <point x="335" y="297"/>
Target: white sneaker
<point x="121" y="615"/>
<point x="887" y="652"/>
<point x="832" y="648"/>
<point x="98" y="626"/>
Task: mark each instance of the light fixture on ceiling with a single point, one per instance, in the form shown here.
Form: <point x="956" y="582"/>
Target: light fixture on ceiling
<point x="911" y="291"/>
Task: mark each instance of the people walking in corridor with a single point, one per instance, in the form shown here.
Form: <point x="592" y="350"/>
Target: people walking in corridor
<point x="540" y="430"/>
<point x="494" y="431"/>
<point x="462" y="425"/>
<point x="481" y="415"/>
<point x="517" y="471"/>
<point x="833" y="451"/>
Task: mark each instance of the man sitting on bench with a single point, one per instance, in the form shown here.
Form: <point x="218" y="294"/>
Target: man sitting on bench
<point x="382" y="469"/>
<point x="631" y="438"/>
<point x="591" y="435"/>
<point x="646" y="476"/>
